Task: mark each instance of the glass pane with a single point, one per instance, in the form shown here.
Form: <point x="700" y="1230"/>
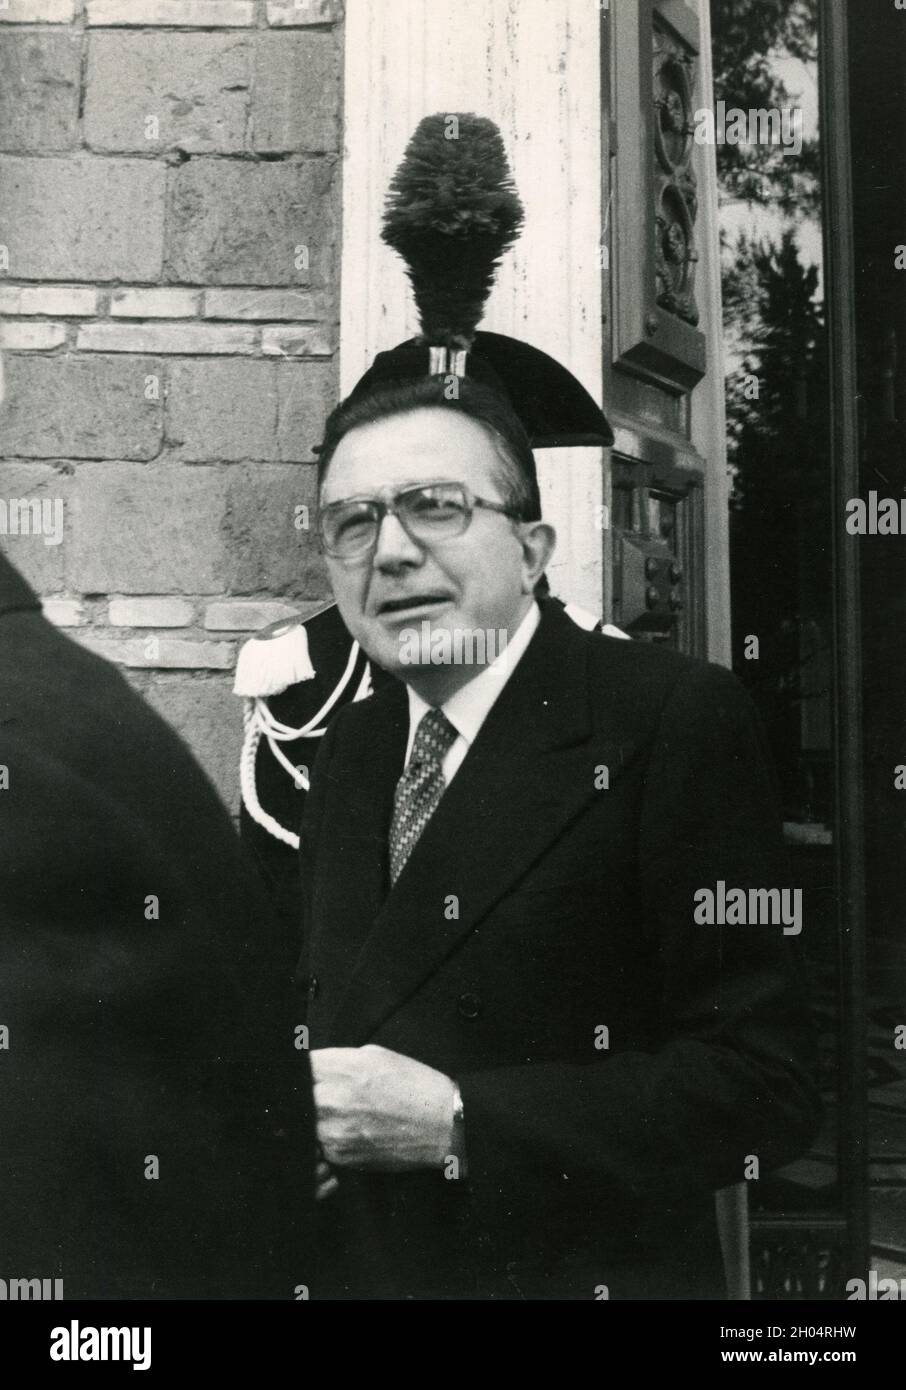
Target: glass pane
<point x="780" y="541"/>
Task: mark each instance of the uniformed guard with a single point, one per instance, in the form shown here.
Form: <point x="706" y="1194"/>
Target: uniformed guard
<point x="451" y="213"/>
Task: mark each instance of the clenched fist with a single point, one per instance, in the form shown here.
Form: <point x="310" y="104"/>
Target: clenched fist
<point x="378" y="1109"/>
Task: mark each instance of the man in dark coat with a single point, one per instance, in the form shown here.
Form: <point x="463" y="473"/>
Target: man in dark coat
<point x="535" y="1057"/>
<point x="157" y="1132"/>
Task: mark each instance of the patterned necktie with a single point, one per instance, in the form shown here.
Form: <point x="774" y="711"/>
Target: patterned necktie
<point x="420" y="788"/>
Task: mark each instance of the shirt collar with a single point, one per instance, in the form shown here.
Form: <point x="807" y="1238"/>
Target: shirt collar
<point x="470" y="706"/>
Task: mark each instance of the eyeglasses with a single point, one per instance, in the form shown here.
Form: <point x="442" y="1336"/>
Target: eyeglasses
<point x="427" y="513"/>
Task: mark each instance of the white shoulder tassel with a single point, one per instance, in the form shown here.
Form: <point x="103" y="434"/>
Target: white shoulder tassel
<point x="273" y="660"/>
<point x="582" y="618"/>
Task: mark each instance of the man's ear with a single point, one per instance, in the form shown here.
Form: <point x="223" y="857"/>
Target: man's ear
<point x="538" y="542"/>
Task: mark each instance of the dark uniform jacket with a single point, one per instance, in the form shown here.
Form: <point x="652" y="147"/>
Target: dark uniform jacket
<point x="143" y="985"/>
<point x="281" y="795"/>
<point x="552" y="896"/>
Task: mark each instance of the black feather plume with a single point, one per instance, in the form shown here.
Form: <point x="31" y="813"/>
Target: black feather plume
<point x="452" y="211"/>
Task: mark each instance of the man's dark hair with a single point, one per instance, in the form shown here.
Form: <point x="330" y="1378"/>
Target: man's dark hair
<point x="516" y="476"/>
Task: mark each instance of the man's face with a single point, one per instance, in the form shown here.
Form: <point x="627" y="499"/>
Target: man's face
<point x="481" y="580"/>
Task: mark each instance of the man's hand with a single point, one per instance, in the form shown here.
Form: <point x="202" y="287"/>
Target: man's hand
<point x="378" y="1109"/>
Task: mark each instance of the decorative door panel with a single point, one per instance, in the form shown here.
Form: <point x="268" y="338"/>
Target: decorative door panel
<point x="656" y="333"/>
<point x="657" y="347"/>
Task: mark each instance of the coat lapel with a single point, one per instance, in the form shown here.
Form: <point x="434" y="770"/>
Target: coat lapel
<point x="528" y="774"/>
<point x="351" y="876"/>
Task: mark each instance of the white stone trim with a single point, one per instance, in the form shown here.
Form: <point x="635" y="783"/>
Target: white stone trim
<point x="194" y="14"/>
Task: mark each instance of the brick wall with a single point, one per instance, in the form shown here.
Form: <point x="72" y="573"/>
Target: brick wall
<point x="169" y="210"/>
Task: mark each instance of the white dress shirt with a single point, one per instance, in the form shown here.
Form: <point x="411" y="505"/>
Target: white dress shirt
<point x="470" y="706"/>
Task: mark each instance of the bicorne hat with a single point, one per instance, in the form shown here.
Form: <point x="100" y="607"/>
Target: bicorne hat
<point x="452" y="212"/>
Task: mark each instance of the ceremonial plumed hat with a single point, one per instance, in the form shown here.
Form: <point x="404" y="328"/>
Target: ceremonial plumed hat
<point x="452" y="212"/>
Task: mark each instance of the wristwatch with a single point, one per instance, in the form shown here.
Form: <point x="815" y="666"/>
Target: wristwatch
<point x="459" y="1126"/>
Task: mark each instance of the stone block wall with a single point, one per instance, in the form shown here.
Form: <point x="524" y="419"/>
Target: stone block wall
<point x="169" y="262"/>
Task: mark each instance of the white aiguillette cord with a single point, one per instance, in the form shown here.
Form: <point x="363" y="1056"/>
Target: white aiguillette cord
<point x="260" y="722"/>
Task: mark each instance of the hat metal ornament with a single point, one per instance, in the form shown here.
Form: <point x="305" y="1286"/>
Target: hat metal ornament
<point x="452" y="212"/>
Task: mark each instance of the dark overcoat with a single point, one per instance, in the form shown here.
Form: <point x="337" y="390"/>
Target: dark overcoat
<point x="156" y="1130"/>
<point x="551" y="897"/>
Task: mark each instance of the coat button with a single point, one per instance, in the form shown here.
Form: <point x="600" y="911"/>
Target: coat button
<point x="314" y="986"/>
<point x="469" y="1005"/>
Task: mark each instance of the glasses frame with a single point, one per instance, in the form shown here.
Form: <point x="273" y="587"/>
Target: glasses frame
<point x="385" y="501"/>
